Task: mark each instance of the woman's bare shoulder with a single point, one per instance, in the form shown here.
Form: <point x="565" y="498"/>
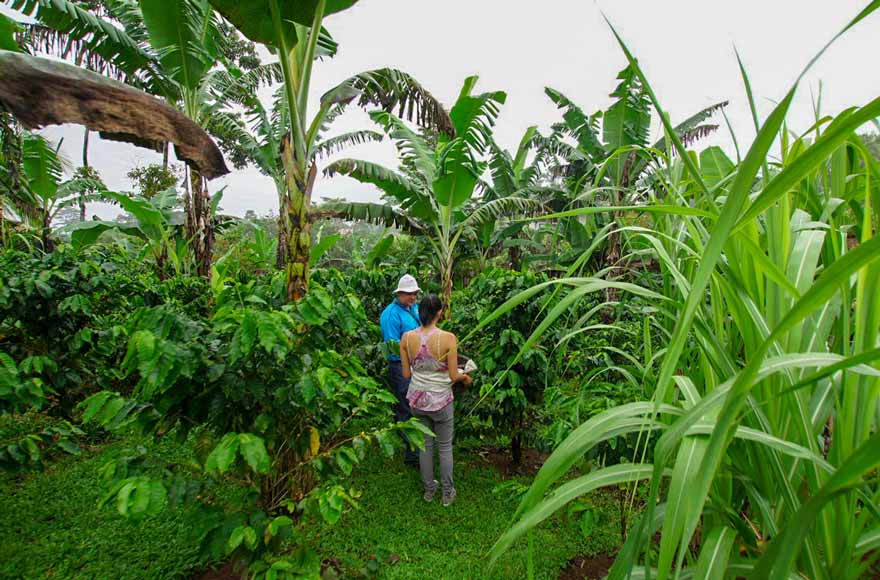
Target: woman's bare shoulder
<point x="448" y="337"/>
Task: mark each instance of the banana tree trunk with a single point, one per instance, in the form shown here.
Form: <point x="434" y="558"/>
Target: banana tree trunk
<point x="46" y="233"/>
<point x="281" y="250"/>
<point x="612" y="252"/>
<point x="446" y="284"/>
<point x="514" y="256"/>
<point x="297" y="224"/>
<point x="203" y="228"/>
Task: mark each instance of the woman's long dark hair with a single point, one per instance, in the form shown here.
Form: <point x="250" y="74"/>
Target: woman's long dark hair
<point x="429" y="307"/>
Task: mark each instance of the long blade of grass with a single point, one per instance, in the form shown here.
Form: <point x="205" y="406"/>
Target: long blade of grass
<point x="812" y="158"/>
<point x="616" y="474"/>
<point x="715" y="553"/>
<point x="658" y="209"/>
<point x="778" y="560"/>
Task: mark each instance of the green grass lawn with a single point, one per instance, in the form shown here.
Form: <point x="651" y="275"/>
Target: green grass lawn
<point x="432" y="541"/>
<point x="52" y="527"/>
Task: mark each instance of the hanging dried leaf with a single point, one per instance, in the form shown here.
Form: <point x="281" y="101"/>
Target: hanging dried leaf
<point x="42" y="92"/>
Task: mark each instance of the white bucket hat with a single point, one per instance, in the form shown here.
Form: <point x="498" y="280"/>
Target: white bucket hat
<point x="407" y="284"/>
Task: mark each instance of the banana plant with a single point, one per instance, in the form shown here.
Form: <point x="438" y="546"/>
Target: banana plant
<point x="523" y="174"/>
<point x="173" y="49"/>
<point x="435" y="188"/>
<point x="766" y="393"/>
<point x="84" y="35"/>
<point x="260" y="137"/>
<point x="294" y="31"/>
<point x="156" y="222"/>
<point x="32" y="187"/>
<point x="611" y="156"/>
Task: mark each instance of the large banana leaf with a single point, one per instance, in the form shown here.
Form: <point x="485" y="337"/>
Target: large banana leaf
<point x="7" y="34"/>
<point x="253" y="18"/>
<point x="408" y="193"/>
<point x="376" y="213"/>
<point x="336" y="144"/>
<point x="458" y="166"/>
<point x="412" y="148"/>
<point x="68" y="94"/>
<point x="87" y="233"/>
<point x="715" y="165"/>
<point x="41" y="165"/>
<point x="626" y="122"/>
<point x="185" y="37"/>
<point x="580" y="126"/>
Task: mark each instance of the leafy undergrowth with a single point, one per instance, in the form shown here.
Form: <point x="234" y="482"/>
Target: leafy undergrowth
<point x="406" y="538"/>
<point x="52" y="526"/>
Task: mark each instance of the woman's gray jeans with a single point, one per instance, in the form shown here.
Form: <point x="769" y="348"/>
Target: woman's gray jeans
<point x="440" y="422"/>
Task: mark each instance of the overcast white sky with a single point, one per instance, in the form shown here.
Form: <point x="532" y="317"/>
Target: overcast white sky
<point x="684" y="46"/>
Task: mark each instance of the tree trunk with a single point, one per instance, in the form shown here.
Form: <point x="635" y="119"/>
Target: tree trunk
<point x="85" y="162"/>
<point x="514" y="256"/>
<point x="612" y="253"/>
<point x="297" y="223"/>
<point x="162" y="263"/>
<point x="86" y="147"/>
<point x="516" y="449"/>
<point x="46" y="234"/>
<point x="203" y="230"/>
<point x="10" y="147"/>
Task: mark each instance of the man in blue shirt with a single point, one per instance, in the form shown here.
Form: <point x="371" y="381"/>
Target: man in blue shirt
<point x="401" y="316"/>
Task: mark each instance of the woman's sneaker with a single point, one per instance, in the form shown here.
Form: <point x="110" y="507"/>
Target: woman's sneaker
<point x="429" y="493"/>
<point x="449" y="498"/>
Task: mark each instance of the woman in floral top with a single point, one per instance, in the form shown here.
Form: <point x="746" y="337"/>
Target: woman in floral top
<point x="429" y="357"/>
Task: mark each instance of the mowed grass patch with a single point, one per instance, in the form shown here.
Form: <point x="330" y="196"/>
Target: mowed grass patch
<point x="427" y="540"/>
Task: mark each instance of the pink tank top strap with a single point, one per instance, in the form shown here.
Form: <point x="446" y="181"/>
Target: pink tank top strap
<point x="425" y="336"/>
